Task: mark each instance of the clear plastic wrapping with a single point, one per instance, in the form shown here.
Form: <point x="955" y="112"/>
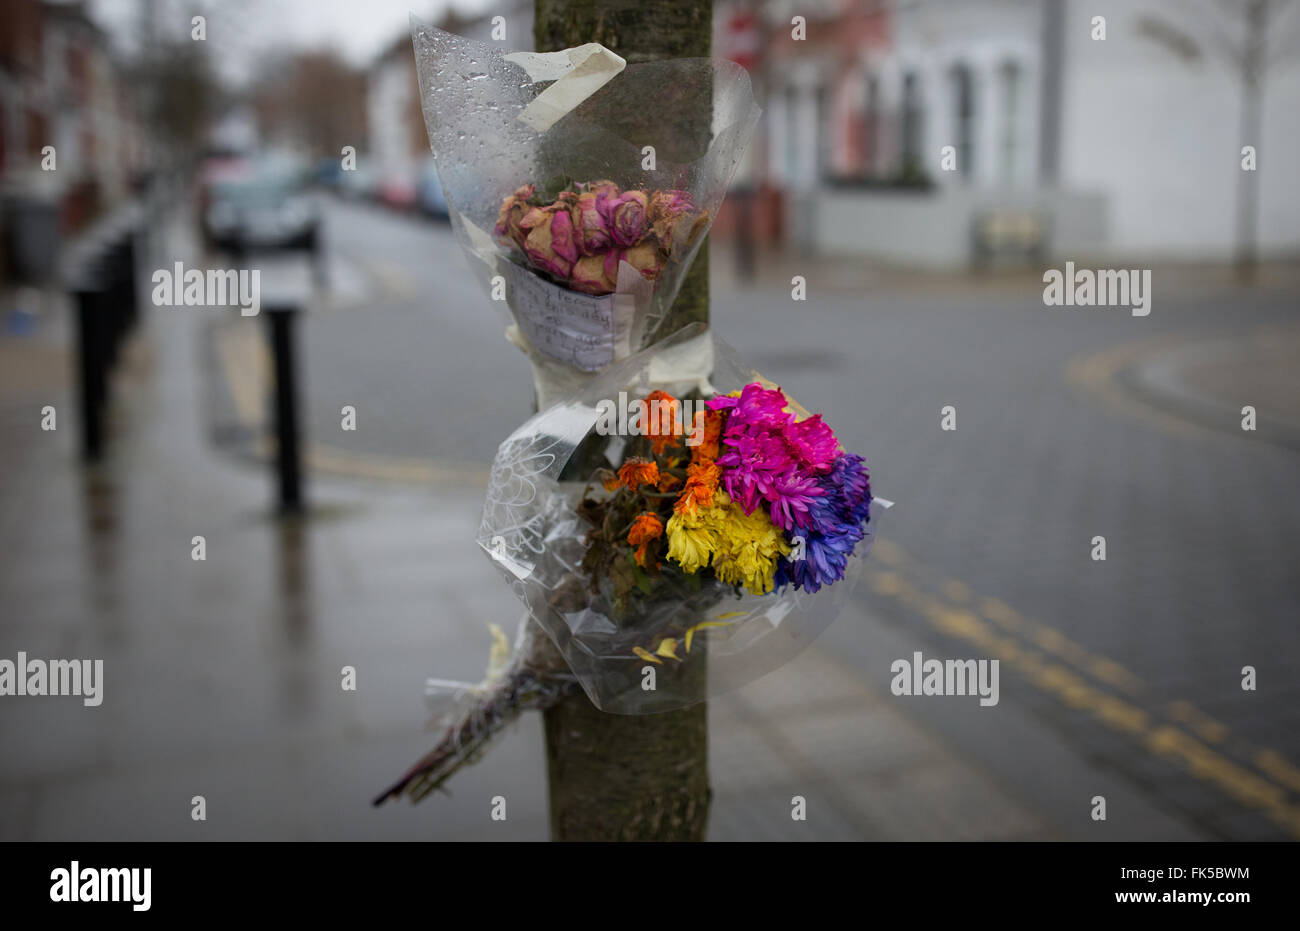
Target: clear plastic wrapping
<point x="580" y="187"/>
<point x="645" y="651"/>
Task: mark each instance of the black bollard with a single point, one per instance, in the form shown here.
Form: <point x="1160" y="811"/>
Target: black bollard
<point x="288" y="457"/>
<point x="92" y="371"/>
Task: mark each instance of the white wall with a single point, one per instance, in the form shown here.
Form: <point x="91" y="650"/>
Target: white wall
<point x="931" y="39"/>
<point x="1159" y="136"/>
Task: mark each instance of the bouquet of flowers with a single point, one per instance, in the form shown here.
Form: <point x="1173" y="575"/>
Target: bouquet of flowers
<point x="579" y="237"/>
<point x="579" y="207"/>
<point x="679" y="505"/>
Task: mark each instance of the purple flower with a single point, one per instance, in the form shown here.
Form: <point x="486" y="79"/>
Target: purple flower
<point x="835" y="523"/>
<point x="792" y="496"/>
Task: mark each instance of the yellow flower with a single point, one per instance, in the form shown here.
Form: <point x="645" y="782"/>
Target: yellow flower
<point x="748" y="547"/>
<point x="693" y="535"/>
<point x="690" y="541"/>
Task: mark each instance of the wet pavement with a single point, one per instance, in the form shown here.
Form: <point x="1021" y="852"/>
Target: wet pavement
<point x="223" y="675"/>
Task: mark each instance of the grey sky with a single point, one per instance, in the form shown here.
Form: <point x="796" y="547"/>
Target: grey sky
<point x="239" y="30"/>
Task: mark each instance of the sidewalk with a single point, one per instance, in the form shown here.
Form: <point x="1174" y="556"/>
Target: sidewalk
<point x="1211" y="380"/>
<point x="868" y="278"/>
<point x="222" y="677"/>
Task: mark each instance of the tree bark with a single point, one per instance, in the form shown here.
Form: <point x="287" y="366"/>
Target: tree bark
<point x="620" y="777"/>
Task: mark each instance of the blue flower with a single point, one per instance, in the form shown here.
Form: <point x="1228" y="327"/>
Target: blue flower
<point x="835" y="526"/>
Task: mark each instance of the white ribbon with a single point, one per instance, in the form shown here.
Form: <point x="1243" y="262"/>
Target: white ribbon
<point x="577" y="72"/>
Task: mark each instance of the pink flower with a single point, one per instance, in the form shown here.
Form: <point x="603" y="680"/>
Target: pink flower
<point x="550" y="243"/>
<point x="590" y="225"/>
<point x="625" y="214"/>
<point x="612" y="258"/>
<point x="590" y="274"/>
<point x="756" y="407"/>
<point x="513" y="209"/>
<point x="813" y="442"/>
<point x="751" y="467"/>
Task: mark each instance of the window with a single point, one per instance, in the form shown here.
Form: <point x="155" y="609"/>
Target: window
<point x="1012" y="82"/>
<point x="963" y="104"/>
<point x="911" y="120"/>
<point x="871" y="129"/>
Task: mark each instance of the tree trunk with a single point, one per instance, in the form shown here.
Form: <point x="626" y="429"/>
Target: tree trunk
<point x="644" y="777"/>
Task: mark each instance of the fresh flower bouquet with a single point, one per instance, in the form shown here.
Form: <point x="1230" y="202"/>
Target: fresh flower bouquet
<point x="679" y="505"/>
<point x="579" y="206"/>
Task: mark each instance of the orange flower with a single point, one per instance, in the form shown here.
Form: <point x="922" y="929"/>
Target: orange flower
<point x="710" y="435"/>
<point x="661" y="420"/>
<point x="645" y="529"/>
<point x="634" y="473"/>
<point x="701" y="482"/>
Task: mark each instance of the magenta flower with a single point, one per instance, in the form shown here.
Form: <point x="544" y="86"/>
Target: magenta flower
<point x="756" y="407"/>
<point x="752" y="466"/>
<point x="813" y="443"/>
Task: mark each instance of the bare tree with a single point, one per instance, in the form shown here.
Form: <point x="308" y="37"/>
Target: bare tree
<point x="1249" y="36"/>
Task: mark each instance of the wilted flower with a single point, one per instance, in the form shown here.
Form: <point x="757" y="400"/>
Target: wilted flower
<point x="625" y="215"/>
<point x="590" y="225"/>
<point x="600" y="187"/>
<point x="645" y="529"/>
<point x="590" y="275"/>
<point x="708" y="424"/>
<point x="661" y="420"/>
<point x="701" y="484"/>
<point x="513" y="209"/>
<point x="645" y="258"/>
<point x="550" y="245"/>
<point x="673" y="220"/>
<point x="634" y="473"/>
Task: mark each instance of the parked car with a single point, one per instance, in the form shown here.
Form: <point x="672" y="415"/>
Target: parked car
<point x="358" y="183"/>
<point x="265" y="207"/>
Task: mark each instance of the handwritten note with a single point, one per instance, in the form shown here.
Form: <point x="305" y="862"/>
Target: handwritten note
<point x="575" y="328"/>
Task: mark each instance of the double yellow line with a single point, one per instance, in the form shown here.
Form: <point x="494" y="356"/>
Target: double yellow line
<point x="1085" y="680"/>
